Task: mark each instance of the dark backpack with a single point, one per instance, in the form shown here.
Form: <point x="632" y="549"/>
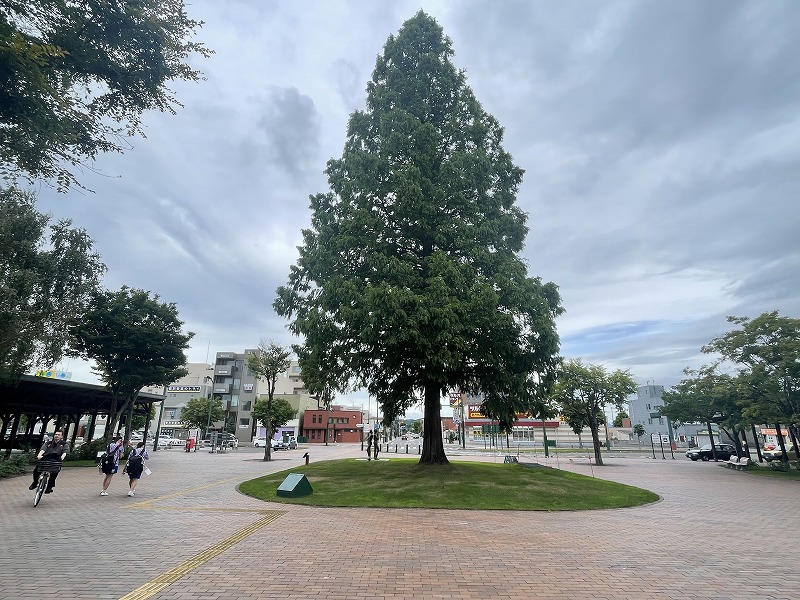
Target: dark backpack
<point x="107" y="463"/>
<point x="135" y="463"/>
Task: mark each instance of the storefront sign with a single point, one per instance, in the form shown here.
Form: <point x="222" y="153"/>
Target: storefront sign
<point x="476" y="417"/>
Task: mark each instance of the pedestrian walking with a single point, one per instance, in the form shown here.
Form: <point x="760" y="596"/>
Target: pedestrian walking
<point x="370" y="439"/>
<point x="115" y="449"/>
<point x="134" y="467"/>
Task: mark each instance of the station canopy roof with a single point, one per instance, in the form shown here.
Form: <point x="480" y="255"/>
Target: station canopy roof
<point x="43" y="395"/>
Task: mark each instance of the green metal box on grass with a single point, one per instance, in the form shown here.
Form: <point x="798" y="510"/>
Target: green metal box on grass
<point x="294" y="486"/>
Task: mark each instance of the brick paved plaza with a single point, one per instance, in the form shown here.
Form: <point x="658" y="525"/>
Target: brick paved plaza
<point x="188" y="534"/>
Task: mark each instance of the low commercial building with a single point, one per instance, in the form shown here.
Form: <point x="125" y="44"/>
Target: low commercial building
<point x="336" y="425"/>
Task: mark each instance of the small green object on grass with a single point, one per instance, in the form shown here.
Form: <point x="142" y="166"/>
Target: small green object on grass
<point x="294" y="486"/>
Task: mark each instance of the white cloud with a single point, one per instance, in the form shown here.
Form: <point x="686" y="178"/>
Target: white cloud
<point x="660" y="143"/>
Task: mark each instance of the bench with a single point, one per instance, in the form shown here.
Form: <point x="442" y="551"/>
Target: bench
<point x="740" y="464"/>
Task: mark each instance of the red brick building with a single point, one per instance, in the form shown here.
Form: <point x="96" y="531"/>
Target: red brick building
<point x="334" y="425"/>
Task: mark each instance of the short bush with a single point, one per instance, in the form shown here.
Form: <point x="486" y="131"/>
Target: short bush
<point x="88" y="451"/>
<point x="17" y="464"/>
<point x="779" y="465"/>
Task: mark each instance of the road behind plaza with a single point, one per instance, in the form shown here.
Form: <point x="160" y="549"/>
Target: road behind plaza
<point x="189" y="534"/>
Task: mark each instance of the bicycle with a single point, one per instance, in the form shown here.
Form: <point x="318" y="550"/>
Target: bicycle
<point x="45" y="467"/>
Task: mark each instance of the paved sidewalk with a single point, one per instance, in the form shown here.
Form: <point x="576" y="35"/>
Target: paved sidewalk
<point x="188" y="534"/>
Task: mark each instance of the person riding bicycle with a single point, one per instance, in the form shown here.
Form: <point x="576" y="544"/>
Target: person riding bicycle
<point x="52" y="451"/>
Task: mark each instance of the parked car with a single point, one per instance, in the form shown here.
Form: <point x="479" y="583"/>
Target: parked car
<point x="279" y="445"/>
<point x="259" y="442"/>
<point x="227" y="440"/>
<point x="292" y="443"/>
<point x="723" y="452"/>
<point x="167" y="441"/>
<point x="404" y="436"/>
<point x="776" y="454"/>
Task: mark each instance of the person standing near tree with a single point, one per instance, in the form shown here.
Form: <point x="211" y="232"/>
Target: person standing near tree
<point x="370" y="439"/>
<point x="115" y="448"/>
<point x="134" y="467"/>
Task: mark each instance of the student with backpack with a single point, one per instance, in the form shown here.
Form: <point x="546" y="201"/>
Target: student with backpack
<point x="135" y="466"/>
<point x="109" y="463"/>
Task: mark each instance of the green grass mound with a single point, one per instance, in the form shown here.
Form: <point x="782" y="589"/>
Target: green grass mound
<point x="402" y="483"/>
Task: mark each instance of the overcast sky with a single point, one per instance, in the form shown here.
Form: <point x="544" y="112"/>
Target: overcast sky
<point x="660" y="141"/>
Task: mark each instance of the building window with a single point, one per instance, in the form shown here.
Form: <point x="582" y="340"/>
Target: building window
<point x="313" y="418"/>
<point x="171" y="413"/>
<point x="649" y="421"/>
<point x="648" y="407"/>
<point x="245" y="422"/>
<point x="247" y="405"/>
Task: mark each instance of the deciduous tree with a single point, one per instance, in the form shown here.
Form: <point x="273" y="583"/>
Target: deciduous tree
<point x="583" y="391"/>
<point x="539" y="402"/>
<point x="48" y="273"/>
<point x="267" y="362"/>
<point x="767" y="348"/>
<point x="78" y="74"/>
<point x="409" y="281"/>
<point x="199" y="412"/>
<point x="135" y="341"/>
<point x="618" y="419"/>
<point x="706" y="396"/>
<point x="279" y="414"/>
<point x="638" y="431"/>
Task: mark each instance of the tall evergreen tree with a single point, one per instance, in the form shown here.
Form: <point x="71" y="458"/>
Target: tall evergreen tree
<point x="408" y="281"/>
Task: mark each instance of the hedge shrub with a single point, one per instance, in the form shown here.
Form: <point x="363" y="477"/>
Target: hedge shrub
<point x="17" y="464"/>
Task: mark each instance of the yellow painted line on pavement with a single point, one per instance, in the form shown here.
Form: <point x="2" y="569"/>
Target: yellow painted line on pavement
<point x="167" y="578"/>
<point x="183" y="492"/>
<point x="226" y="509"/>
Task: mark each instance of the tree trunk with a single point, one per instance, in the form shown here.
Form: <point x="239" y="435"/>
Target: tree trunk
<point x="711" y="437"/>
<point x="128" y="425"/>
<point x="781" y="442"/>
<point x="111" y="419"/>
<point x="544" y="436"/>
<point x="432" y="444"/>
<point x="758" y="446"/>
<point x="593" y="426"/>
<point x="268" y="432"/>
